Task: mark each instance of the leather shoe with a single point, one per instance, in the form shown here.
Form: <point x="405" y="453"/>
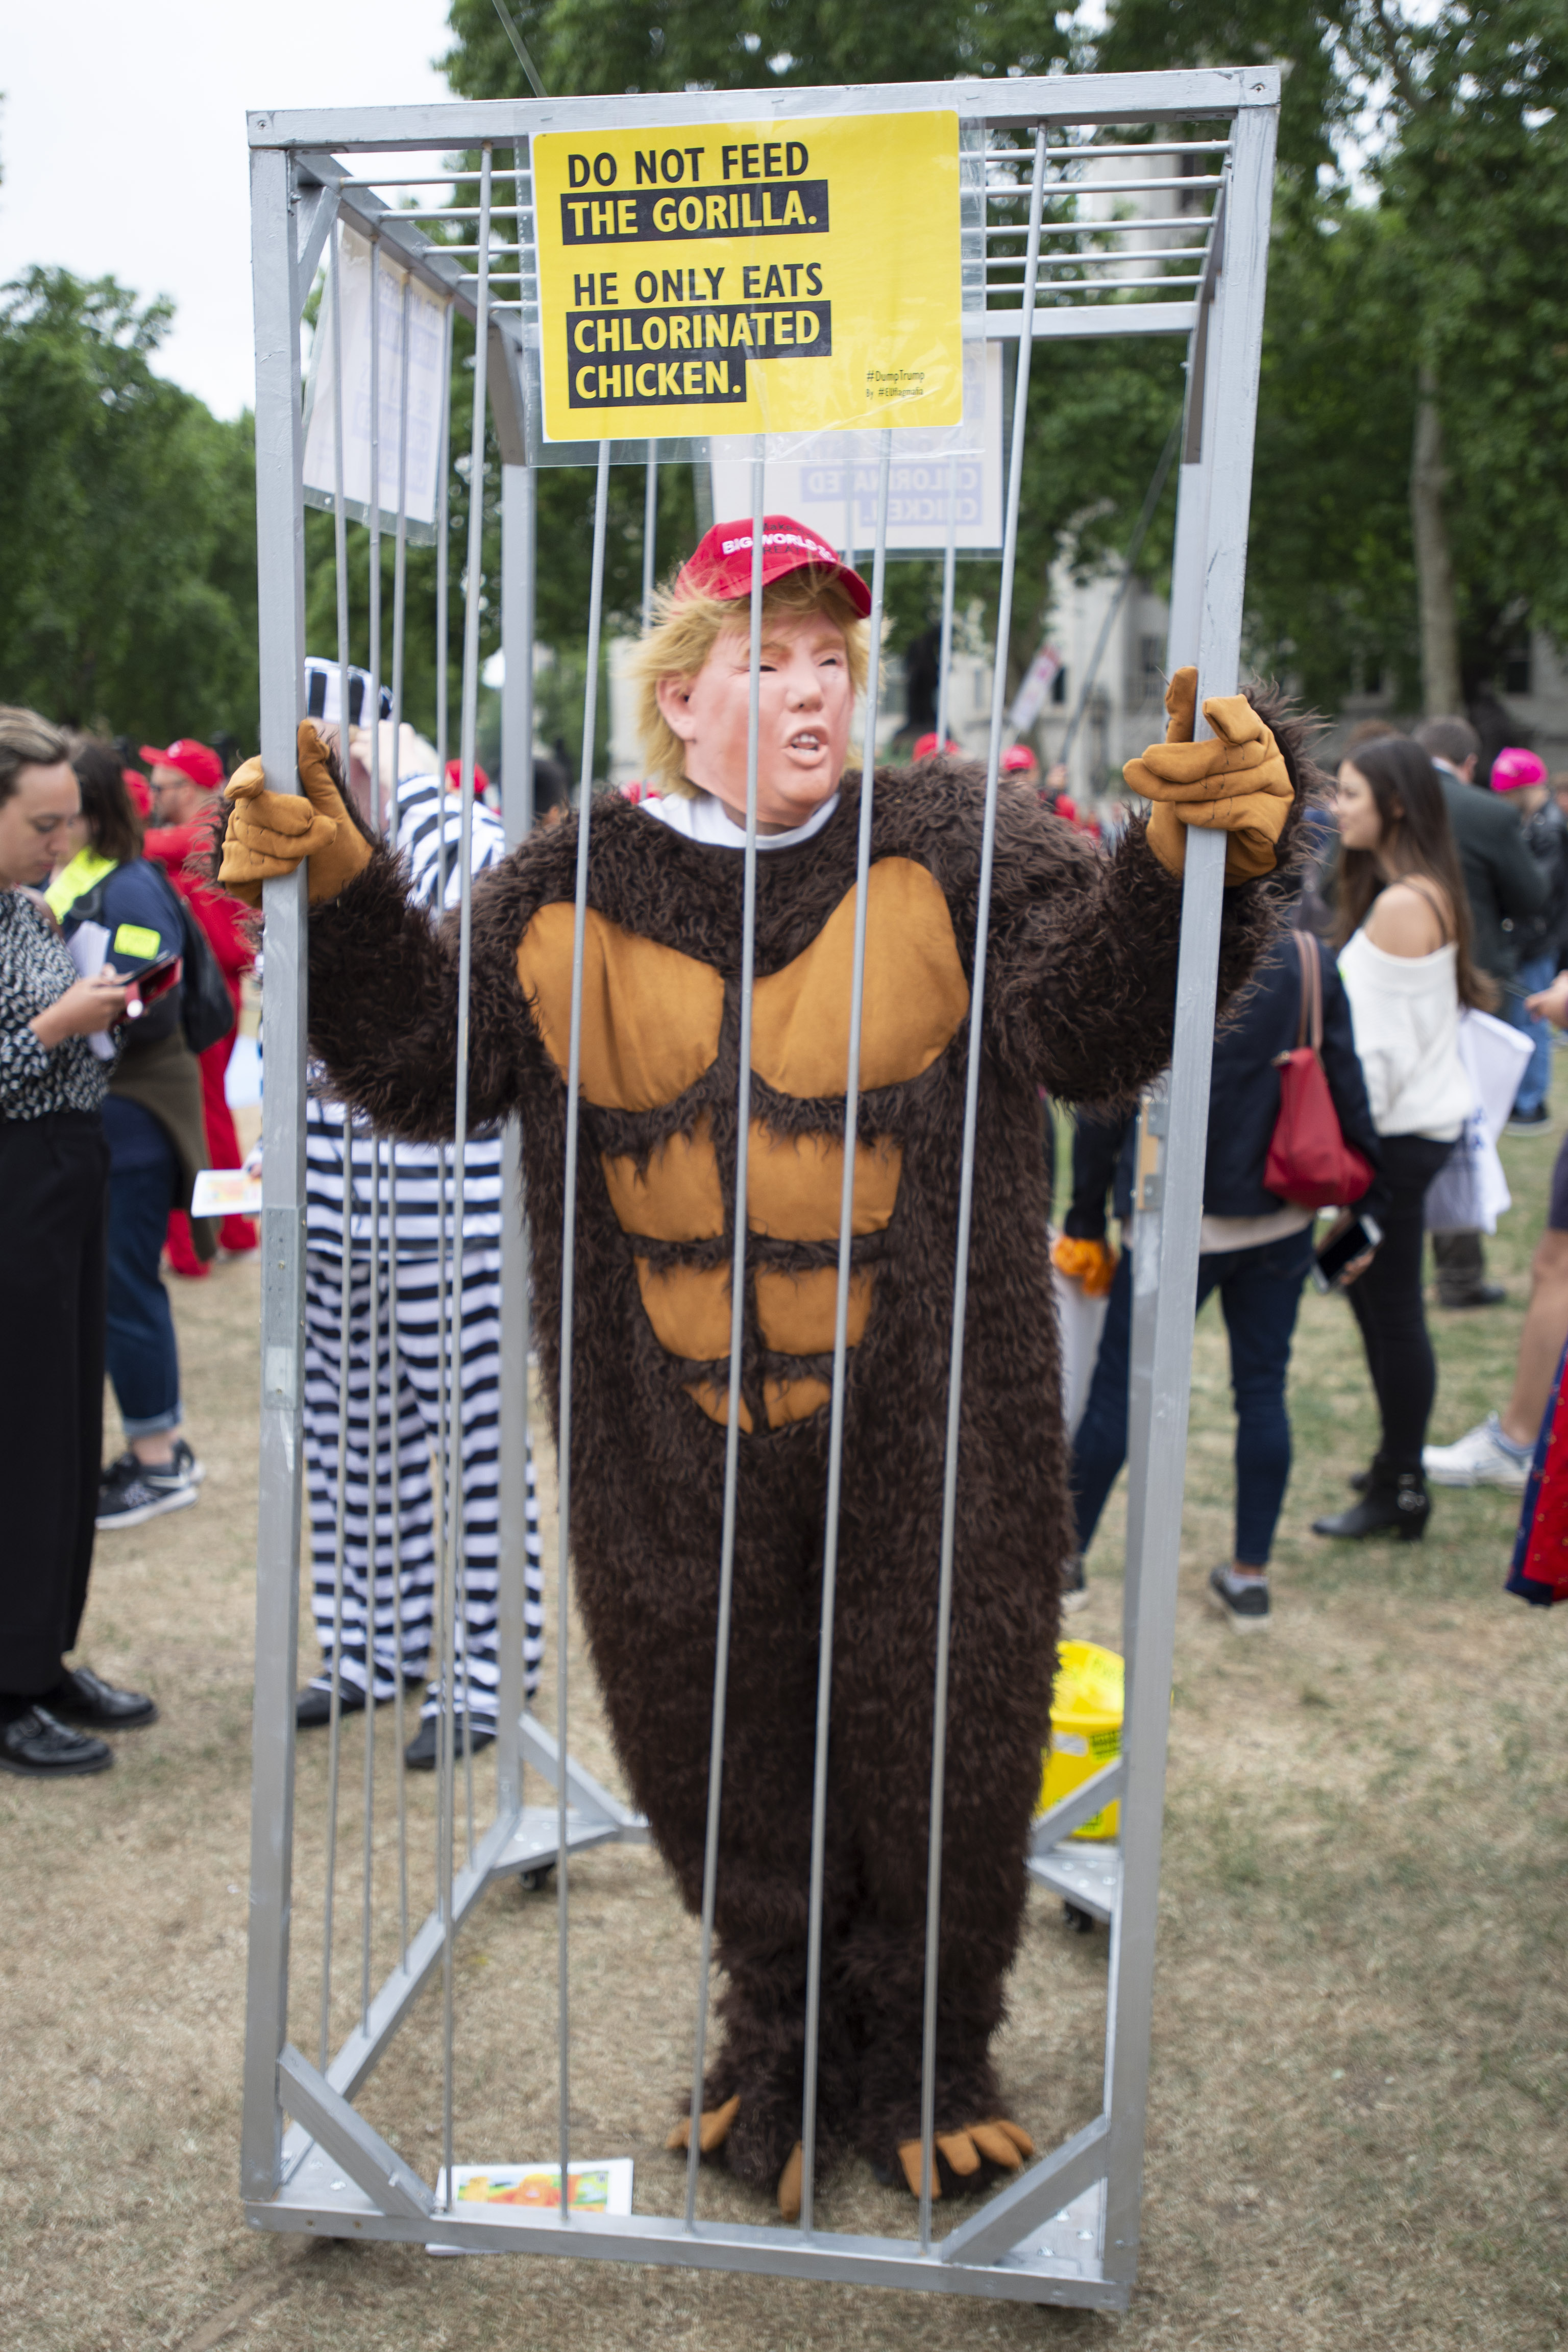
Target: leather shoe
<point x="420" y="1753"/>
<point x="1479" y="1294"/>
<point x="314" y="1708"/>
<point x="82" y="1698"/>
<point x="40" y="1748"/>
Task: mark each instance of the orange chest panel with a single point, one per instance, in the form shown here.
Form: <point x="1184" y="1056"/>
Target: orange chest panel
<point x="651" y="1023"/>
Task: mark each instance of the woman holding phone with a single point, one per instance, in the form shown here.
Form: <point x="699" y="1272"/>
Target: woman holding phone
<point x="1403" y="935"/>
<point x="54" y="1169"/>
<point x="153" y="1125"/>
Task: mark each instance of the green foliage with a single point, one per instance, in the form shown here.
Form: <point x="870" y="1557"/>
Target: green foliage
<point x="127" y="515"/>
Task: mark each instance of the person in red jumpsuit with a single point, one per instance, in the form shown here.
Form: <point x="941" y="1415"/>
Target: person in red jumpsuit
<point x="185" y="780"/>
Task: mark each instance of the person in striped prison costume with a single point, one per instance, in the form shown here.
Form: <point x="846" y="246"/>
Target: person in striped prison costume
<point x="1079" y="998"/>
<point x="412" y="1186"/>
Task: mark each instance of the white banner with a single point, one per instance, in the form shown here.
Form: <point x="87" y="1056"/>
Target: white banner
<point x="1037" y="681"/>
<point x="426" y="389"/>
<point x="817" y="484"/>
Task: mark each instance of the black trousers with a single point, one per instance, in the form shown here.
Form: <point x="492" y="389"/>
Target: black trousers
<point x="54" y="1212"/>
<point x="1387" y="1303"/>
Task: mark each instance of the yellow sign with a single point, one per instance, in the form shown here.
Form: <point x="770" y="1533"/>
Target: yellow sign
<point x="750" y="277"/>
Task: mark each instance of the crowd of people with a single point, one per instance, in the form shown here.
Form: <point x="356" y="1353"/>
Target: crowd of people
<point x="1433" y="895"/>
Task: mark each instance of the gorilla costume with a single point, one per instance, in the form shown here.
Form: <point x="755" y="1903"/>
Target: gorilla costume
<point x="1080" y="999"/>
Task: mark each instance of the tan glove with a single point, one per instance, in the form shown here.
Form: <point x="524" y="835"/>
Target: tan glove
<point x="1235" y="782"/>
<point x="268" y="833"/>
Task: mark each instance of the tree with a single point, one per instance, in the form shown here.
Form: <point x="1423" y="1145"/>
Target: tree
<point x="127" y="514"/>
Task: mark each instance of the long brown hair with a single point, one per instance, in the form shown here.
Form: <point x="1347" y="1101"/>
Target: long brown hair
<point x="112" y="823"/>
<point x="1416" y="839"/>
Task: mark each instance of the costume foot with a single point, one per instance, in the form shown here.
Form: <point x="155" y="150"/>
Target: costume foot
<point x="711" y="2132"/>
<point x="789" y="2185"/>
<point x="999" y="2142"/>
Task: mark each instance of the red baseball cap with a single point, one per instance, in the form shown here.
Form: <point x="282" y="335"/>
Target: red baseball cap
<point x="196" y="760"/>
<point x="455" y="777"/>
<point x="928" y="747"/>
<point x="1018" y="761"/>
<point x="720" y="563"/>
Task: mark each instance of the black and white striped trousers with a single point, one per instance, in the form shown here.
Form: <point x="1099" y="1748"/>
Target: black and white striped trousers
<point x="409" y="1364"/>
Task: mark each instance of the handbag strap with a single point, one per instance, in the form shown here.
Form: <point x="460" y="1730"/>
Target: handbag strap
<point x="1310" y="1026"/>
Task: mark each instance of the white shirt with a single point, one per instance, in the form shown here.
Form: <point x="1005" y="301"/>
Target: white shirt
<point x="704" y="818"/>
<point x="1406" y="1013"/>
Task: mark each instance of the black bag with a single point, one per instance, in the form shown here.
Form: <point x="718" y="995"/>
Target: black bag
<point x="206" y="1010"/>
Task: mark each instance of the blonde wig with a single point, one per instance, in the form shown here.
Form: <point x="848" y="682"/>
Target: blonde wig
<point x="688" y="626"/>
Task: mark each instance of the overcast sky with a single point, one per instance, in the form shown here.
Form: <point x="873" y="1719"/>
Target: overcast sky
<point x="122" y="143"/>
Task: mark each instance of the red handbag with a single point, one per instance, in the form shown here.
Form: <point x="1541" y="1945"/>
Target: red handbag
<point x="1310" y="1163"/>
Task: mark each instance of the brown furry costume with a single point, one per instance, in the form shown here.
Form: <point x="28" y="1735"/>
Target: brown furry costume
<point x="1079" y="1000"/>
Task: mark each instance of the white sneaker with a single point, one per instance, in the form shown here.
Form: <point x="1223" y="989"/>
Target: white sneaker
<point x="1478" y="1459"/>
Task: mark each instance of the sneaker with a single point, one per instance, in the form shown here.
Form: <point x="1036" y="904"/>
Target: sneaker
<point x="1482" y="1457"/>
<point x="1529" y="1122"/>
<point x="127" y="1495"/>
<point x="1244" y="1606"/>
<point x="422" y="1751"/>
<point x="181" y="1469"/>
<point x="1075" y="1591"/>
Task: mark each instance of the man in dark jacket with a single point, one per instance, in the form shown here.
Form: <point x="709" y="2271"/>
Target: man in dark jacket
<point x="1255" y="1251"/>
<point x="1505" y="887"/>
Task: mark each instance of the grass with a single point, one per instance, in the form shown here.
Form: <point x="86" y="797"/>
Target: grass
<point x="1356" y="2128"/>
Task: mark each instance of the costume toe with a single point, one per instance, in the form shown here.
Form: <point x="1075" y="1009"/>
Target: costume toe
<point x="790" y="2184"/>
<point x="711" y="2132"/>
<point x="910" y="2157"/>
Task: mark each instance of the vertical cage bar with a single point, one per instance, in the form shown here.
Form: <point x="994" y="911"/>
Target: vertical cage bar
<point x="1208" y="627"/>
<point x="378" y="798"/>
<point x="279" y="560"/>
<point x="443" y="593"/>
<point x="472" y="588"/>
<point x="966" y="1193"/>
<point x="841" y="1351"/>
<point x="339" y="1546"/>
<point x="650" y="534"/>
<point x="373" y="1579"/>
<point x="400" y="555"/>
<point x="517" y="817"/>
<point x="340" y="509"/>
<point x="737" y="1307"/>
<point x="568" y="1314"/>
<point x="395" y="1472"/>
<point x="949" y="578"/>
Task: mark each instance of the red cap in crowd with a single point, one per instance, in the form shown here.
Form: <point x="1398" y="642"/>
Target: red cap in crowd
<point x="455" y="777"/>
<point x="927" y="747"/>
<point x="1018" y="761"/>
<point x="196" y="760"/>
<point x="720" y="563"/>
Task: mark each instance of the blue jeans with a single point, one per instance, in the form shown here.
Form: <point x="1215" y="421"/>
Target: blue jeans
<point x="143" y="1182"/>
<point x="1260" y="1290"/>
<point x="1535" y="972"/>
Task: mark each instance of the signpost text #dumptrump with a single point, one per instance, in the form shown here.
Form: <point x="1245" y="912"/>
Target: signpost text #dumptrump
<point x="750" y="277"/>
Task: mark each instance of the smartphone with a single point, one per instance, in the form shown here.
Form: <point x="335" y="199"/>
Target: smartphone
<point x="1345" y="1244"/>
<point x="150" y="985"/>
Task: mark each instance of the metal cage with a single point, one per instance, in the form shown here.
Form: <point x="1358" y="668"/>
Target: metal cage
<point x="1065" y="2229"/>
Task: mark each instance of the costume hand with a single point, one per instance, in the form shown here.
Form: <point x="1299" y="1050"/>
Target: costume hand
<point x="999" y="2142"/>
<point x="1235" y="782"/>
<point x="1552" y="1003"/>
<point x="270" y="833"/>
<point x="1093" y="1264"/>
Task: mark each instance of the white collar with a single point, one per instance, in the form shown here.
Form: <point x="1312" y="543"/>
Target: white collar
<point x="703" y="817"/>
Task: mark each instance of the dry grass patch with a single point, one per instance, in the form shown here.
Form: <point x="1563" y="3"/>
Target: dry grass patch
<point x="1355" y="2129"/>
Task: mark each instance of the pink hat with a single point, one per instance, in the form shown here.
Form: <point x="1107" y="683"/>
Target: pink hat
<point x="1018" y="761"/>
<point x="720" y="563"/>
<point x="1515" y="768"/>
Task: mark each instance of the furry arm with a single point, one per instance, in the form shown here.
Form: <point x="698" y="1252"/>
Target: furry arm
<point x="384" y="1006"/>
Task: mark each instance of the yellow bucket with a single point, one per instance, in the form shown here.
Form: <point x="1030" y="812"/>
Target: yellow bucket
<point x="1085" y="1727"/>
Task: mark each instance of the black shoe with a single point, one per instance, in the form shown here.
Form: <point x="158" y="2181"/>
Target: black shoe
<point x="181" y="1469"/>
<point x="1529" y="1122"/>
<point x="420" y="1753"/>
<point x="1478" y="1293"/>
<point x="129" y="1494"/>
<point x="1358" y="1481"/>
<point x="81" y="1697"/>
<point x="1398" y="1507"/>
<point x="1243" y="1607"/>
<point x="314" y="1708"/>
<point x="1075" y="1590"/>
<point x="40" y="1748"/>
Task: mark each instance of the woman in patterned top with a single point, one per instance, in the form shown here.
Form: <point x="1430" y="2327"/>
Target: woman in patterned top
<point x="53" y="1204"/>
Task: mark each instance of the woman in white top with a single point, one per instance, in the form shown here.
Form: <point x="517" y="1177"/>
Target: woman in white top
<point x="1404" y="932"/>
